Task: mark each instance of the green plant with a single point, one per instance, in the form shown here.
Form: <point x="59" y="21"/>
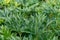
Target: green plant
<point x="29" y="19"/>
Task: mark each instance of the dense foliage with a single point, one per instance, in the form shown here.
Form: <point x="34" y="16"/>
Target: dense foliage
<point x="29" y="19"/>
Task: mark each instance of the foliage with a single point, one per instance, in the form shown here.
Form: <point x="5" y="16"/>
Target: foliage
<point x="29" y="19"/>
